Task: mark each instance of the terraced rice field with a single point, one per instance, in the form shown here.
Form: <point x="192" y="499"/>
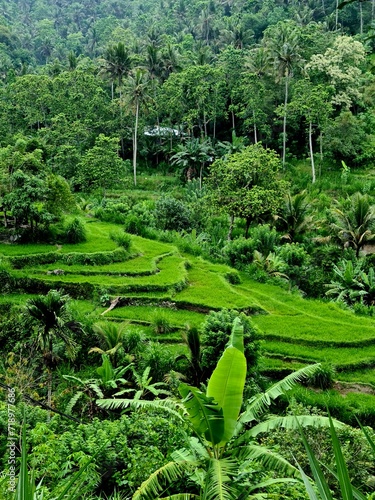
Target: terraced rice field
<point x="156" y="277"/>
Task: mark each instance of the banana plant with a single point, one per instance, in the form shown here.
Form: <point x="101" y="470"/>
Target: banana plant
<point x="223" y="438"/>
<point x="144" y="385"/>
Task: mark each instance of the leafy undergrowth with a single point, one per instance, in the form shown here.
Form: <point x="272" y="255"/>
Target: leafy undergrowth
<point x="155" y="278"/>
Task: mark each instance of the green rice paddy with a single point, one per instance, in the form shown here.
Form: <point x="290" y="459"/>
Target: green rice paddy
<point x="156" y="278"/>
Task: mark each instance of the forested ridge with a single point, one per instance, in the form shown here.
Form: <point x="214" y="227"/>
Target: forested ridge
<point x="187" y="231"/>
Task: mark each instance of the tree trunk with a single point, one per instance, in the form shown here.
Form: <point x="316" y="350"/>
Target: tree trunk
<point x="284" y="121"/>
<point x="360" y="18"/>
<point x="135" y="144"/>
<point x="231" y="225"/>
<point x="337" y="14"/>
<point x="311" y="153"/>
<point x="255" y="129"/>
<point x="205" y="124"/>
<point x="248" y="220"/>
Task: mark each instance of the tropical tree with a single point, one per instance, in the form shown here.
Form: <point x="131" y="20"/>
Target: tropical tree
<point x="347" y="285"/>
<point x="354" y="221"/>
<point x="110" y="335"/>
<point x="116" y="64"/>
<point x="294" y="217"/>
<point x="311" y="102"/>
<point x="212" y="461"/>
<point x="52" y="314"/>
<point x="192" y="156"/>
<point x="246" y="185"/>
<point x="282" y="41"/>
<point x="136" y="96"/>
<point x="101" y="167"/>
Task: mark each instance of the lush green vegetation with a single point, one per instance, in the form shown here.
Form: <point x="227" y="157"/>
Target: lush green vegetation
<point x="187" y="224"/>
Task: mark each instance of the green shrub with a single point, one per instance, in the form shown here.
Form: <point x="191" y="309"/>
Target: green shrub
<point x="239" y="252"/>
<point x="159" y="358"/>
<point x="323" y="377"/>
<point x="215" y="334"/>
<point x="233" y="277"/>
<point x="133" y="341"/>
<point x="121" y="238"/>
<point x="75" y="231"/>
<point x="160" y="322"/>
<point x="265" y="238"/>
<point x="134" y="225"/>
<point x="172" y="214"/>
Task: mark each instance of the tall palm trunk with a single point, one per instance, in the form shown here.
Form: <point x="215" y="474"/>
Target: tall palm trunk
<point x="284" y="121"/>
<point x="255" y="129"/>
<point x="135" y="143"/>
<point x="311" y="153"/>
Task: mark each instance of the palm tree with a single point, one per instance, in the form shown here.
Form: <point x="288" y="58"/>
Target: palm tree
<point x="354" y="222"/>
<point x="194" y="358"/>
<point x="116" y="64"/>
<point x="110" y="335"/>
<point x="294" y="216"/>
<point x="284" y="51"/>
<point x="169" y="61"/>
<point x="136" y="96"/>
<point x="51" y="312"/>
<point x="192" y="156"/>
<point x="346" y="286"/>
<point x="211" y="461"/>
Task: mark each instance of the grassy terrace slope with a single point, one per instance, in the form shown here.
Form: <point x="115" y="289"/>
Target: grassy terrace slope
<point x="154" y="278"/>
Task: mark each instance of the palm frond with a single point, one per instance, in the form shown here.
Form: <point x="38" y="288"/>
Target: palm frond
<point x="170" y="406"/>
<point x="260" y="403"/>
<point x="73" y="401"/>
<point x="155" y="484"/>
<point x="181" y="496"/>
<point x="292" y="422"/>
<point x="269" y="459"/>
<point x="219" y="484"/>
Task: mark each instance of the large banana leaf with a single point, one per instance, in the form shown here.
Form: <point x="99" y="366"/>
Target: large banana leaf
<point x="228" y="380"/>
<point x="205" y="414"/>
<point x="219" y="482"/>
<point x="155" y="484"/>
<point x="269" y="459"/>
<point x="290" y="422"/>
<point x="226" y="387"/>
<point x="169" y="405"/>
<point x="260" y="403"/>
<point x="236" y="338"/>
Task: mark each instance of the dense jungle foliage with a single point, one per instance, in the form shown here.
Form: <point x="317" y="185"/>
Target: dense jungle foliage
<point x="187" y="241"/>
